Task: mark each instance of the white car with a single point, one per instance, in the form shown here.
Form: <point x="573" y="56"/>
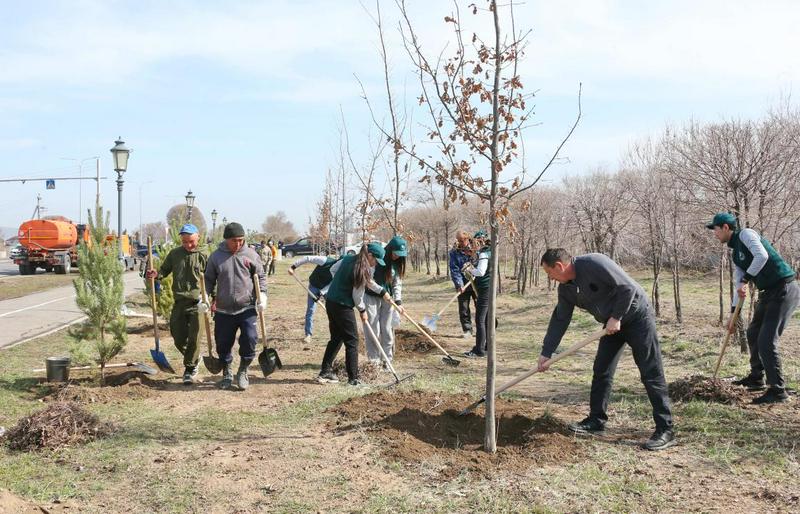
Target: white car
<point x="354" y="249"/>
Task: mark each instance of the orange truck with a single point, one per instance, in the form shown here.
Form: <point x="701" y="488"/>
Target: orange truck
<point x="52" y="245"/>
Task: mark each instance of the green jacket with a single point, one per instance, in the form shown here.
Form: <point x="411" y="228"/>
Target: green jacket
<point x="341" y="288"/>
<point x="187" y="269"/>
<point x="775" y="269"/>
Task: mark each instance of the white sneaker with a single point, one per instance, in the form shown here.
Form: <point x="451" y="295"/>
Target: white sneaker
<point x="307" y="339"/>
<point x="467" y="334"/>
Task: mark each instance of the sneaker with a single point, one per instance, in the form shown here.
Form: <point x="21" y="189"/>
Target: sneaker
<point x="356" y="383"/>
<point x="751" y="382"/>
<point x="188" y="375"/>
<point x="227" y="378"/>
<point x="327" y="377"/>
<point x="241" y="379"/>
<point x="773" y="395"/>
<point x="588" y="426"/>
<point x="472" y="355"/>
<point x="660" y="440"/>
<point x="467" y="334"/>
<point x="307" y="339"/>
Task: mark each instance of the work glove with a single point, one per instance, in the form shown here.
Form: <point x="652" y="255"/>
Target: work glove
<point x="203" y="307"/>
<point x="262" y="305"/>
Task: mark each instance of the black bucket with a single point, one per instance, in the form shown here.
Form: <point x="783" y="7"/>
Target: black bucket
<point x="57" y="369"/>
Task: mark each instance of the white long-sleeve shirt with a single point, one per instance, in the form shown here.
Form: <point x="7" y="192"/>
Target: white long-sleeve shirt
<point x="752" y="241"/>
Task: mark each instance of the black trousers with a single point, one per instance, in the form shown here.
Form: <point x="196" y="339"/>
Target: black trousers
<point x="344" y="331"/>
<point x="481" y="317"/>
<point x="639" y="332"/>
<point x="773" y="310"/>
<point x="464" y="314"/>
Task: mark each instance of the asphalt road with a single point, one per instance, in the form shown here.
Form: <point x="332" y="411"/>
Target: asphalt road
<point x="8" y="268"/>
<point x="37" y="314"/>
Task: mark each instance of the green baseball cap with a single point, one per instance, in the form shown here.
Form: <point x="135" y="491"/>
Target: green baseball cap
<point x="481" y="234"/>
<point x="722" y="218"/>
<point x="398" y="246"/>
<point x="377" y="251"/>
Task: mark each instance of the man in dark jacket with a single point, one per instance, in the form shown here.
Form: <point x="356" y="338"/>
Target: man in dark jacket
<point x="598" y="285"/>
<point x="458" y="258"/>
<point x="187" y="264"/>
<point x="229" y="281"/>
<point x="756" y="261"/>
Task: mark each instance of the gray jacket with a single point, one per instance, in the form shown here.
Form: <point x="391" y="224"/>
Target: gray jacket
<point x="229" y="278"/>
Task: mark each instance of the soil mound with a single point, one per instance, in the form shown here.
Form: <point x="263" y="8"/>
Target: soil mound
<point x="407" y="341"/>
<point x="367" y="371"/>
<point x="58" y="425"/>
<point x="120" y="388"/>
<point x="698" y="387"/>
<point x="424" y="428"/>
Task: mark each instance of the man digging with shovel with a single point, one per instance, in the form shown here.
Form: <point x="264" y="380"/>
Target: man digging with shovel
<point x="229" y="281"/>
<point x="599" y="285"/>
<point x="187" y="264"/>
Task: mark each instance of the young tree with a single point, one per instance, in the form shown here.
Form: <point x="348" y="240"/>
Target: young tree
<point x="100" y="293"/>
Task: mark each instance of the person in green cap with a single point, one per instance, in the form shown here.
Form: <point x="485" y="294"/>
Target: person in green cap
<point x="479" y="269"/>
<point x="187" y="264"/>
<point x="379" y="312"/>
<point x="351" y="275"/>
<point x="756" y="261"/>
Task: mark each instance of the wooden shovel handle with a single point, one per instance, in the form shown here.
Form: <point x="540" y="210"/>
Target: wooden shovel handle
<point x="261" y="321"/>
<point x="152" y="285"/>
<point x="206" y="321"/>
<point x="728" y="337"/>
<point x="409" y="318"/>
<point x="449" y="302"/>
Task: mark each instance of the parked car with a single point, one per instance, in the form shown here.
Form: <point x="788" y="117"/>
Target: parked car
<point x="304" y="246"/>
<point x="16" y="252"/>
<point x="354" y="249"/>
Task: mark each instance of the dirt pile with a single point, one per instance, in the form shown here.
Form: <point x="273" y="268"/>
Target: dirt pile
<point x="367" y="371"/>
<point x="424" y="428"/>
<point x="407" y="341"/>
<point x="120" y="388"/>
<point x="698" y="387"/>
<point x="59" y="425"/>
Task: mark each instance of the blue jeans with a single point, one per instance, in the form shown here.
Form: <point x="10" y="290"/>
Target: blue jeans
<point x="310" y="308"/>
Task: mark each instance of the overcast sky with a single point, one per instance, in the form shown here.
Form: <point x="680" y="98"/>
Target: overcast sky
<point x="240" y="101"/>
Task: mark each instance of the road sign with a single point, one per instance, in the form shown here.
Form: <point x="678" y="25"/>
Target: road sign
<point x="50" y="184"/>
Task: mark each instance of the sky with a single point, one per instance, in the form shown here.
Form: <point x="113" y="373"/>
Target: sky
<point x="241" y="101"/>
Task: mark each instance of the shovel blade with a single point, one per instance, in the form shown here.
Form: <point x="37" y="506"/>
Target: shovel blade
<point x="430" y="322"/>
<point x="144" y="368"/>
<point x="269" y="361"/>
<point x="212" y="364"/>
<point x="161" y="361"/>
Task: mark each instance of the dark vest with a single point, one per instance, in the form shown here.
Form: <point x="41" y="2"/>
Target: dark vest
<point x="774" y="271"/>
<point x="341" y="289"/>
<point x="321" y="276"/>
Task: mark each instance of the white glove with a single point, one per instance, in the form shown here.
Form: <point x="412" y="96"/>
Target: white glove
<point x="395" y="318"/>
<point x="262" y="305"/>
<point x="203" y="307"/>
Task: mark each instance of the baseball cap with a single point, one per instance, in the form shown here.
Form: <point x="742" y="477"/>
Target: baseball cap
<point x="188" y="229"/>
<point x="722" y="218"/>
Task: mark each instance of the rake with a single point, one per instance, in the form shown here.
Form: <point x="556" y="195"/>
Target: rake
<point x="377" y="343"/>
<point x="447" y="359"/>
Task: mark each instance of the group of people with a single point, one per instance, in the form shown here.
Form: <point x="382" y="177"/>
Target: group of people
<point x="371" y="282"/>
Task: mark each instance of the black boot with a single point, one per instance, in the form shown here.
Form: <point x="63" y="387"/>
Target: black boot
<point x="241" y="376"/>
<point x="588" y="426"/>
<point x="660" y="440"/>
<point x="773" y="395"/>
<point x="751" y="382"/>
<point x="227" y="376"/>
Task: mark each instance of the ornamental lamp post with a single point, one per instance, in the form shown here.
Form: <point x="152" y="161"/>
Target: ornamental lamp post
<point x="121" y="154"/>
<point x="213" y="223"/>
<point x="189" y="206"/>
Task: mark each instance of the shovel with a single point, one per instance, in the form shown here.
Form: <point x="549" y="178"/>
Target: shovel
<point x="397" y="379"/>
<point x="137" y="366"/>
<point x="728" y="337"/>
<point x="212" y="364"/>
<point x="158" y="356"/>
<point x="268" y="359"/>
<point x="430" y="321"/>
<point x="447" y="359"/>
<point x="552" y="360"/>
<point x="312" y="295"/>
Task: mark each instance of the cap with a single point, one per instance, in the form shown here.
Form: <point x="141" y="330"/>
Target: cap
<point x="481" y="234"/>
<point x="188" y="229"/>
<point x="377" y="251"/>
<point x="398" y="246"/>
<point x="233" y="229"/>
<point x="722" y="218"/>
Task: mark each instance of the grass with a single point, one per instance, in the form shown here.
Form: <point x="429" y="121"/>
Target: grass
<point x="17" y="287"/>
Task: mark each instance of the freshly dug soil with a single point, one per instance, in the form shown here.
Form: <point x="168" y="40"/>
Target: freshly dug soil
<point x="367" y="371"/>
<point x="698" y="387"/>
<point x="120" y="387"/>
<point x="58" y="425"/>
<point x="407" y="341"/>
<point x="424" y="428"/>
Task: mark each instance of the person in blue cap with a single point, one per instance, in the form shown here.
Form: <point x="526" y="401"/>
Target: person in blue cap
<point x="756" y="261"/>
<point x="479" y="269"/>
<point x="186" y="264"/>
<point x="351" y="275"/>
<point x="379" y="312"/>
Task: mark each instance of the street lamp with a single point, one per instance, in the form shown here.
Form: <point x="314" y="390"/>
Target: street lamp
<point x="189" y="206"/>
<point x="213" y="223"/>
<point x="224" y="221"/>
<point x="121" y="154"/>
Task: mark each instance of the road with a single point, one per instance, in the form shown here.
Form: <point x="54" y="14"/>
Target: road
<point x="37" y="314"/>
<point x="8" y="268"/>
